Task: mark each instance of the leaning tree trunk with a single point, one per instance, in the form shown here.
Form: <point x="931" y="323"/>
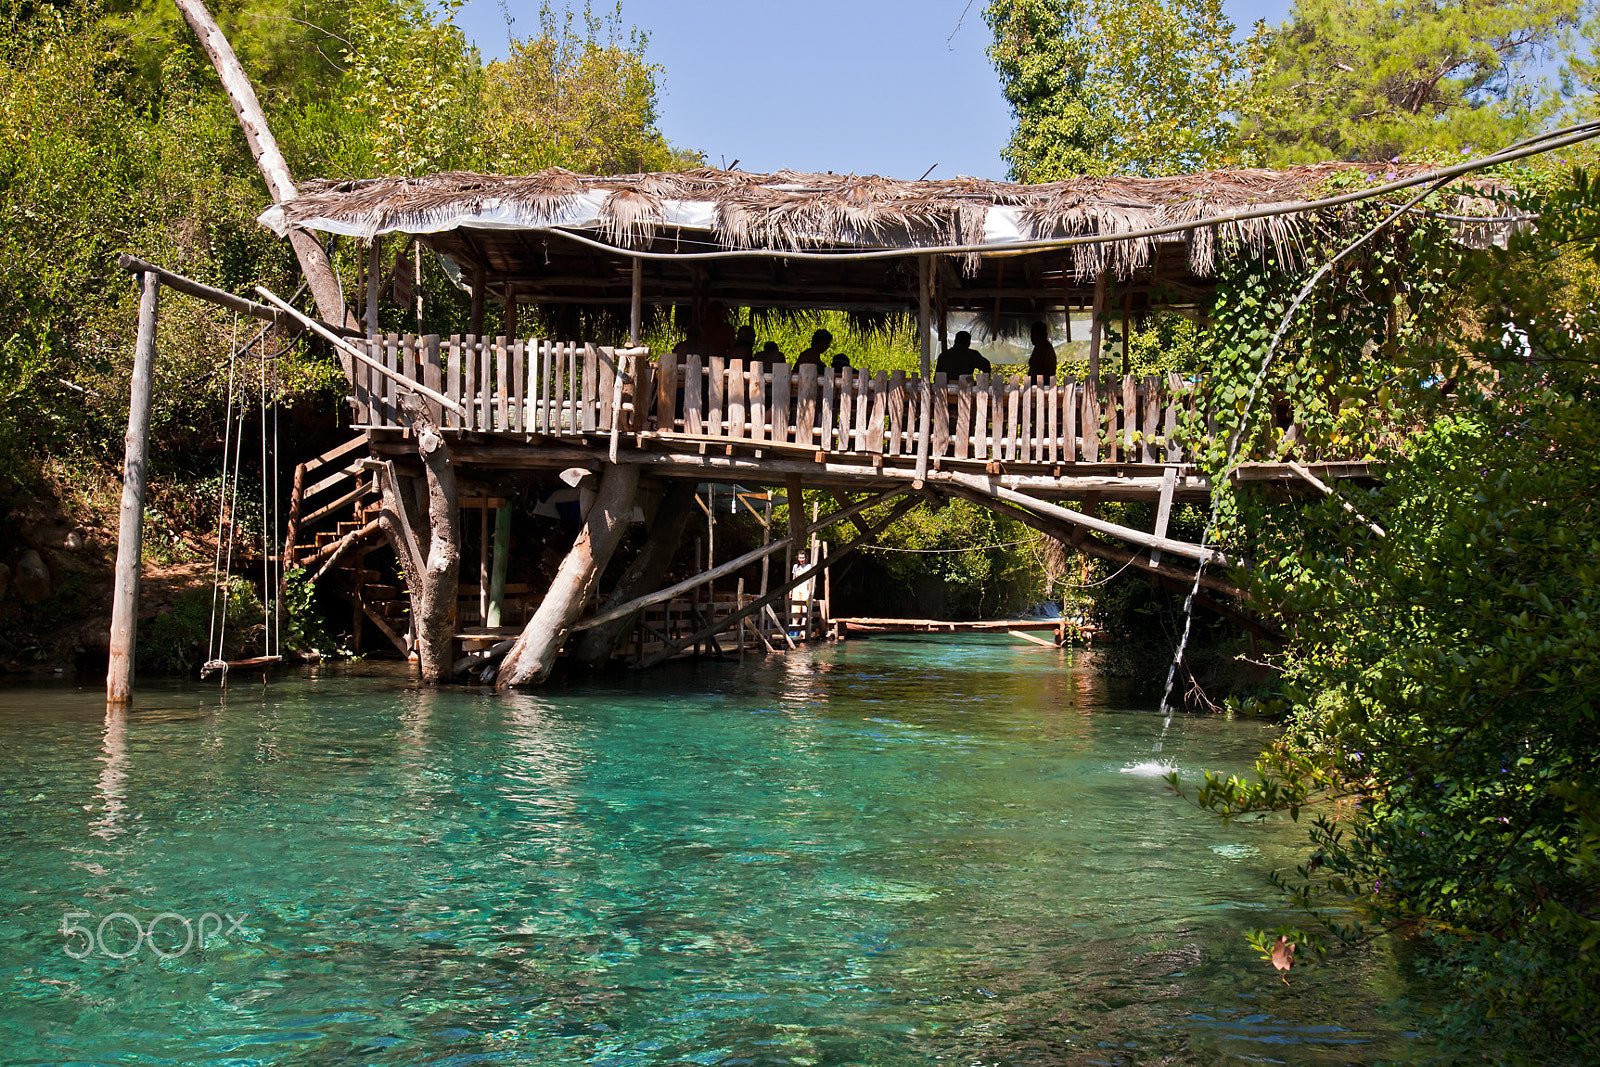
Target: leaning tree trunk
<point x="643" y="575"/>
<point x="324" y="285"/>
<point x="423" y="525"/>
<point x="534" y="655"/>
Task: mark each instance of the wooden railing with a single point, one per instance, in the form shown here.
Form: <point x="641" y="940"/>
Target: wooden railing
<point x="564" y="389"/>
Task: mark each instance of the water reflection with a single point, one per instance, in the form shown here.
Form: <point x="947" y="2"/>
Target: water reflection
<point x="113" y="784"/>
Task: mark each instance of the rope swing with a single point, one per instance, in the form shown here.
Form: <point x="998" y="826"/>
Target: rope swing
<point x="228" y="515"/>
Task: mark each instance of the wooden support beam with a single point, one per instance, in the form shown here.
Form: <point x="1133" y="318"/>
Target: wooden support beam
<point x="479" y="284"/>
<point x="1097" y="326"/>
<point x="1069" y="534"/>
<point x="1169" y="482"/>
<point x="201" y="291"/>
<point x="533" y="657"/>
<point x="654" y="560"/>
<point x="721" y="570"/>
<point x="344" y="346"/>
<point x="374" y="285"/>
<point x="986" y="487"/>
<point x="130" y="526"/>
<point x="636" y="304"/>
<point x="904" y="505"/>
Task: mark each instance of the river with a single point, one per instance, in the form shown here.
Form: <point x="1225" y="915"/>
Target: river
<point x="896" y="851"/>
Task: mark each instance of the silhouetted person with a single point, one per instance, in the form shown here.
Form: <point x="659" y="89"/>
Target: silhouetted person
<point x="693" y="343"/>
<point x="771" y="354"/>
<point x="840" y="360"/>
<point x="819" y="346"/>
<point x="1042" y="363"/>
<point x="718" y="335"/>
<point x="961" y="359"/>
<point x="744" y="343"/>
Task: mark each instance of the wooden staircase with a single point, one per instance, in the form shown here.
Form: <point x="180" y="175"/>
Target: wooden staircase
<point x="333" y="527"/>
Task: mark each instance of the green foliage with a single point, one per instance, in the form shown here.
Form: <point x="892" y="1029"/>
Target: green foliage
<point x="1116" y="86"/>
<point x="944" y="560"/>
<point x="1372" y="80"/>
<point x="585" y="101"/>
<point x="174" y="642"/>
<point x="1442" y="685"/>
<point x="305" y="630"/>
<point x="413" y="78"/>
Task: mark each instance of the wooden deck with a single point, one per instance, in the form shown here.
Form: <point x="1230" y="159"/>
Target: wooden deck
<point x="536" y="404"/>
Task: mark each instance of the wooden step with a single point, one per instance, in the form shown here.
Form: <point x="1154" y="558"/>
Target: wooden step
<point x="380" y="592"/>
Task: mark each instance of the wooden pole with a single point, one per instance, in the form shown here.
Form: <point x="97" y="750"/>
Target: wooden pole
<point x="1096" y="326"/>
<point x="511" y="314"/>
<point x="416" y="283"/>
<point x="475" y="318"/>
<point x="924" y="336"/>
<point x="1127" y="321"/>
<point x="374" y="284"/>
<point x="636" y="308"/>
<point x="924" y="313"/>
<point x="501" y="562"/>
<point x="130" y="527"/>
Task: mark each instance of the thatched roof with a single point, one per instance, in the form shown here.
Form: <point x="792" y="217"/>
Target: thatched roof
<point x="511" y="225"/>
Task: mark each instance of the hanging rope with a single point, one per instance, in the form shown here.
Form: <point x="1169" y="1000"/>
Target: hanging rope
<point x="214" y="660"/>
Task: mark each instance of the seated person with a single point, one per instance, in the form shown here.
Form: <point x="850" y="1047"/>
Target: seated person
<point x="819" y="345"/>
<point x="770" y="353"/>
<point x="961" y="359"/>
<point x="1042" y="363"/>
<point x="841" y="360"/>
<point x="744" y="343"/>
<point x="717" y="333"/>
<point x="693" y="343"/>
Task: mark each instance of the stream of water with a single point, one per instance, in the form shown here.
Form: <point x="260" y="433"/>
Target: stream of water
<point x="897" y="851"/>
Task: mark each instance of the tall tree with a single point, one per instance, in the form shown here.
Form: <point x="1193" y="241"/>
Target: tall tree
<point x="1372" y="79"/>
<point x="1116" y="86"/>
<point x="584" y="99"/>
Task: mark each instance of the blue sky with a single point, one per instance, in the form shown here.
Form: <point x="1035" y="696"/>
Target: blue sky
<point x="872" y="86"/>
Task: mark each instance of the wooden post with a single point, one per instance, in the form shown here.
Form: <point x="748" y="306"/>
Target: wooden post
<point x="479" y="281"/>
<point x="1169" y="483"/>
<point x="1127" y="321"/>
<point x="1096" y="327"/>
<point x="416" y="283"/>
<point x="130" y="527"/>
<point x="636" y="307"/>
<point x="925" y="422"/>
<point x="483" y="565"/>
<point x="374" y="284"/>
<point x="502" y="560"/>
<point x="511" y="313"/>
<point x="533" y="656"/>
<point x="924" y="312"/>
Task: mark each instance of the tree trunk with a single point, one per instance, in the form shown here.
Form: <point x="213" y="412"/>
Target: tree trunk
<point x="264" y="147"/>
<point x="426" y="537"/>
<point x="534" y="655"/>
<point x="643" y="574"/>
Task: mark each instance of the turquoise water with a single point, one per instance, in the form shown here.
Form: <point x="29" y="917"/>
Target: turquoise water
<point x="898" y="851"/>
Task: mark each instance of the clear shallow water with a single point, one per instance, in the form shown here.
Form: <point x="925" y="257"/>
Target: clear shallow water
<point x="898" y="851"/>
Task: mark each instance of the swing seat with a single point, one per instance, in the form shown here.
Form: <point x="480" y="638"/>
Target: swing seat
<point x="226" y="665"/>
